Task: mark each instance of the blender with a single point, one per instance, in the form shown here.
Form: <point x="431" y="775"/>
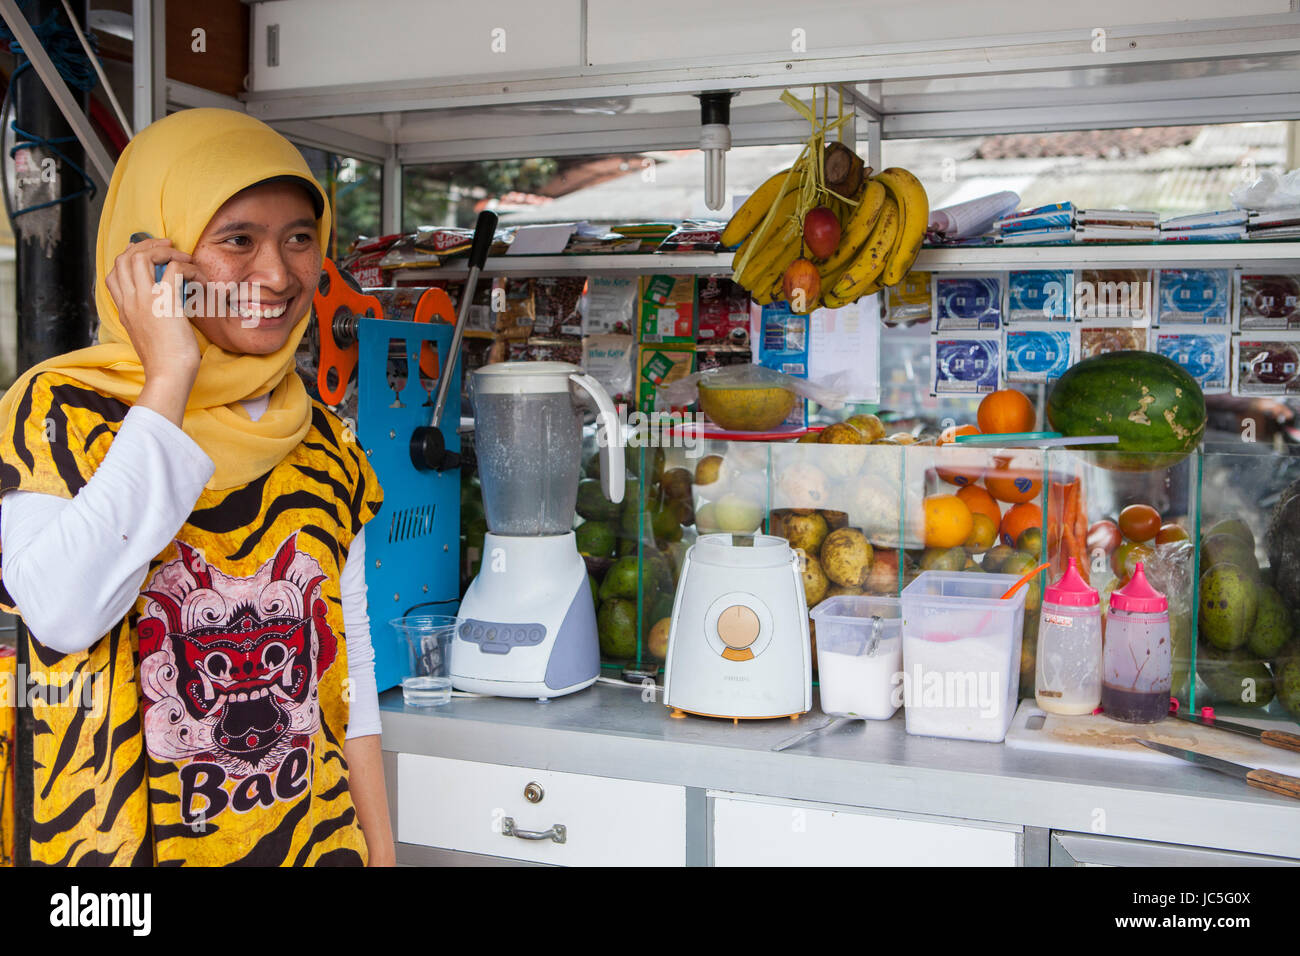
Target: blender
<point x="527" y="624"/>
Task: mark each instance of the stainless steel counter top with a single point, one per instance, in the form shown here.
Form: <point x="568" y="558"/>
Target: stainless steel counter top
<point x="611" y="731"/>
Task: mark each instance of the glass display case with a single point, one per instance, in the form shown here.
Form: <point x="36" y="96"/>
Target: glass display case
<point x="869" y="518"/>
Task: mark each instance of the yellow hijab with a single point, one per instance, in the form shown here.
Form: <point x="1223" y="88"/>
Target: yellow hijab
<point x="169" y="182"/>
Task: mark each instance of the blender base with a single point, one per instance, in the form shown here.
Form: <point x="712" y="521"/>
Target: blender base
<point x="528" y="621"/>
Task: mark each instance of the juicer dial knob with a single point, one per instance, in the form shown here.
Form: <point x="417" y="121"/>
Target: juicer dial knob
<point x="738" y="626"/>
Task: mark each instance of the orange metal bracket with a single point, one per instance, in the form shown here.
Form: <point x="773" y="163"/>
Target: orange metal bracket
<point x="333" y="295"/>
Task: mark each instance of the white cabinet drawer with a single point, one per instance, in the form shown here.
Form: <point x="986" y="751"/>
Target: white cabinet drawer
<point x="750" y="832"/>
<point x="463" y="805"/>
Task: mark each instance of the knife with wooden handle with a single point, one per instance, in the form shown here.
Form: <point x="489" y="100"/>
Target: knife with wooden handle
<point x="1263" y="779"/>
<point x="1274" y="738"/>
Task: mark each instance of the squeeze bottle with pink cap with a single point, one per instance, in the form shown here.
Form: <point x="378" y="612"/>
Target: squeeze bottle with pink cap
<point x="1136" y="661"/>
<point x="1068" y="674"/>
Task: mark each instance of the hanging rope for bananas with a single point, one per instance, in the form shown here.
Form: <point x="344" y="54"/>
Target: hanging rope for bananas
<point x="810" y="182"/>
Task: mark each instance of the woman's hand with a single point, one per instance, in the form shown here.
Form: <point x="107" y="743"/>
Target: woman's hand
<point x="156" y="323"/>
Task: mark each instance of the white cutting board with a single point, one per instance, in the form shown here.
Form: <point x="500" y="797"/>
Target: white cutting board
<point x="1097" y="735"/>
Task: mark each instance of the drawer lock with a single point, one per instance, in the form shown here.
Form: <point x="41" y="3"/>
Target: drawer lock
<point x="557" y="833"/>
<point x="533" y="793"/>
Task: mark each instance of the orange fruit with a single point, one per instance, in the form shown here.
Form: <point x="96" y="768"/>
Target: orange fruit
<point x="1013" y="485"/>
<point x="1005" y="410"/>
<point x="949" y="435"/>
<point x="1017" y="519"/>
<point x="980" y="501"/>
<point x="948" y="521"/>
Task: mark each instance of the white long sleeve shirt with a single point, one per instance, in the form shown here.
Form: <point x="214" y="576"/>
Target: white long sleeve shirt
<point x="131" y="508"/>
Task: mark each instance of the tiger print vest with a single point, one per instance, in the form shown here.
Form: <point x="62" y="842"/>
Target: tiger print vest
<point x="207" y="726"/>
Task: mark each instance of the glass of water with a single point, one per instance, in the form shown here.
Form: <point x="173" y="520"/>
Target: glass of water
<point x="428" y="641"/>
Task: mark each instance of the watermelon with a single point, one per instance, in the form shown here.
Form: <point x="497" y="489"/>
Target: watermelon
<point x="1149" y="401"/>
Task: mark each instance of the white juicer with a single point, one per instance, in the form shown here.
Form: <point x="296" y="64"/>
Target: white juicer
<point x="738" y="643"/>
<point x="527" y="624"/>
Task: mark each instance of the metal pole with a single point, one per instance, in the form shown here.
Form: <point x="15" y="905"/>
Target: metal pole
<point x="72" y="106"/>
<point x="149" y="61"/>
<point x="55" y="269"/>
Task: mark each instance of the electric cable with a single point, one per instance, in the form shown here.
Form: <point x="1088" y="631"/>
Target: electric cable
<point x="65" y="50"/>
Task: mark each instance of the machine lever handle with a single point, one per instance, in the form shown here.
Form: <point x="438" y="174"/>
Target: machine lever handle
<point x="483" y="233"/>
<point x="558" y="833"/>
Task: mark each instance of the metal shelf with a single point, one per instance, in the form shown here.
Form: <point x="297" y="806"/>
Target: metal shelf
<point x="1254" y="255"/>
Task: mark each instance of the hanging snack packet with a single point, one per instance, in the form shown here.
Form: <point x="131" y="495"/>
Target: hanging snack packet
<point x="724" y="312"/>
<point x="556" y="301"/>
<point x="1040" y="295"/>
<point x="1105" y="338"/>
<point x="1114" y="296"/>
<point x="609" y="305"/>
<point x="1195" y="295"/>
<point x="1269" y="366"/>
<point x="608" y="359"/>
<point x="1205" y="354"/>
<point x="1040" y="354"/>
<point x="667" y="308"/>
<point x="965" y="365"/>
<point x="911" y="301"/>
<point x="1269" y="302"/>
<point x="968" y="302"/>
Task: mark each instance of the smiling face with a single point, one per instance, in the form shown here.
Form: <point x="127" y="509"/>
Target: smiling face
<point x="262" y="248"/>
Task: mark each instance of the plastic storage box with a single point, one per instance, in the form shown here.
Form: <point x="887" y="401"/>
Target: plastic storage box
<point x="961" y="654"/>
<point x="859" y="655"/>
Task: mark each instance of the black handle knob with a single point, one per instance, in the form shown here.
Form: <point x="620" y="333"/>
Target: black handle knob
<point x="429" y="450"/>
<point x="484" y="230"/>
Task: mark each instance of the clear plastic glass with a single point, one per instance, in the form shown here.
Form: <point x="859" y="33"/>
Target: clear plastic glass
<point x="529" y="451"/>
<point x="428" y="641"/>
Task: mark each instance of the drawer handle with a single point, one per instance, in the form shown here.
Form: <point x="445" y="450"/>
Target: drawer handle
<point x="557" y="833"/>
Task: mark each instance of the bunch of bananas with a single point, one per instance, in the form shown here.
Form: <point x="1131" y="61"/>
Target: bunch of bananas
<point x="880" y="231"/>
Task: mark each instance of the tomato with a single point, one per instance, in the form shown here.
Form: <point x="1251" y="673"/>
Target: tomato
<point x="1126" y="557"/>
<point x="1139" y="522"/>
<point x="1169" y="533"/>
<point x="1104" y="536"/>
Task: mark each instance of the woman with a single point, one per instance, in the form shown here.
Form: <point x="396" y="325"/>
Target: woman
<point x="181" y="530"/>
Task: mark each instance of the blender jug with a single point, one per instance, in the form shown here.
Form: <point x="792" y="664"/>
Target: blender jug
<point x="527" y="623"/>
<point x="528" y="439"/>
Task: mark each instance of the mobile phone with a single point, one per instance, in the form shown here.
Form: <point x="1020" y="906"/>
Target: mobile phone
<point x="160" y="267"/>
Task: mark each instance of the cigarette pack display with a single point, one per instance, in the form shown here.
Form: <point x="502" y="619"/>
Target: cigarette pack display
<point x="1267" y="366"/>
<point x="1269" y="302"/>
<point x="968" y="302"/>
<point x="965" y="365"/>
<point x="1204" y="352"/>
<point x="1039" y="295"/>
<point x="1038" y="354"/>
<point x="1195" y="295"/>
